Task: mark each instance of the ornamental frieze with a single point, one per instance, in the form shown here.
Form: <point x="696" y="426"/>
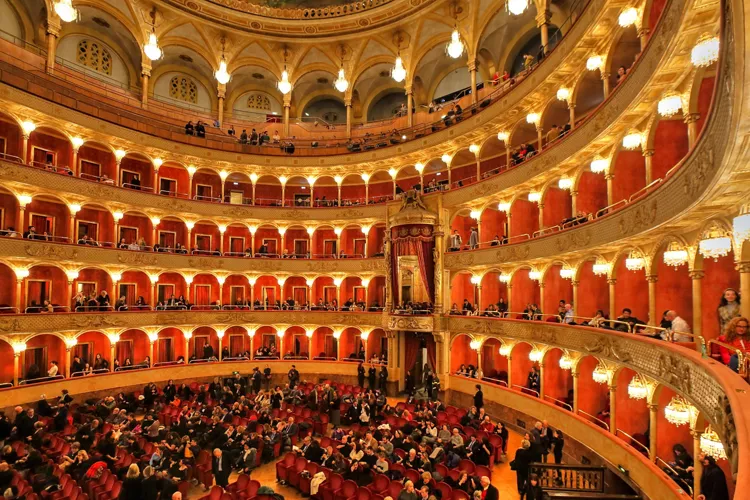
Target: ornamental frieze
<point x="409" y="323"/>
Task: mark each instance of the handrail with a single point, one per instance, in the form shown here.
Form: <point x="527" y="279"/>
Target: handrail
<point x="644" y="189"/>
<point x="524" y="388"/>
<point x="559" y="402"/>
<point x="741" y="358"/>
<point x="202" y="360"/>
<point x="236" y="358"/>
<point x="496" y="380"/>
<point x="138" y="366"/>
<point x="40" y="379"/>
<point x="640" y="446"/>
<point x="90" y="372"/>
<point x="168" y="363"/>
<point x="674" y="472"/>
<point x="589" y="415"/>
<point x="324" y="358"/>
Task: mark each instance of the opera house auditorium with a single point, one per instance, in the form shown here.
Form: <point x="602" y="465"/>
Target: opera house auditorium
<point x="374" y="249"/>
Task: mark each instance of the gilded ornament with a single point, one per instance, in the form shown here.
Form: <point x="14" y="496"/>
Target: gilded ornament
<point x="676" y="372"/>
<point x="205" y="263"/>
<point x="10" y="325"/>
<point x="137" y="259"/>
<point x="574" y="239"/>
<point x="95" y="321"/>
<point x="409" y="323"/>
<point x="609" y="347"/>
<point x="50" y="251"/>
<point x="726" y="428"/>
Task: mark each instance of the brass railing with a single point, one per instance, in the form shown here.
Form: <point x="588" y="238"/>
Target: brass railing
<point x="561" y="477"/>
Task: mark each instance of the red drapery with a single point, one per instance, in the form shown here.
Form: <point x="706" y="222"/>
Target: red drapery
<point x="414" y="240"/>
<point x="431" y="352"/>
<point x="412" y="350"/>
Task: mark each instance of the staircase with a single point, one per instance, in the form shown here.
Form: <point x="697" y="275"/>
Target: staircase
<point x="581" y="482"/>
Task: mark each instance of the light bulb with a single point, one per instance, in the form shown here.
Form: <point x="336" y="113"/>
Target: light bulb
<point x="284" y="85"/>
<point x="65" y="10"/>
<point x="535" y="275"/>
<point x="503" y="207"/>
<point x="341" y="83"/>
<point x="222" y="75"/>
<point x="28" y="127"/>
<point x="535" y="196"/>
<point x="517" y="7"/>
<point x="455" y="47"/>
<point x="77" y="142"/>
<point x="628" y="17"/>
<point x="151" y="49"/>
<point x="398" y="73"/>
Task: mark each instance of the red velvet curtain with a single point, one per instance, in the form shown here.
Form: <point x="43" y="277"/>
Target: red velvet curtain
<point x="414" y="240"/>
<point x="431" y="352"/>
<point x="412" y="350"/>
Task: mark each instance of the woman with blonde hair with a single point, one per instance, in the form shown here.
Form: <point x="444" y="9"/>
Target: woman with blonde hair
<point x="736" y="335"/>
<point x="132" y="485"/>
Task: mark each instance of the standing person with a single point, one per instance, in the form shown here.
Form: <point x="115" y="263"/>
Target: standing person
<point x="478" y="397"/>
<point x="267" y="377"/>
<point x="429" y="380"/>
<point x="293" y="376"/>
<point x="409" y="384"/>
<point x="334" y="408"/>
<point x="383" y="378"/>
<point x="533" y="488"/>
<point x="473" y="239"/>
<point x="256" y="380"/>
<point x="131" y="486"/>
<point x="221" y="468"/>
<point x="713" y="481"/>
<point x="558" y="443"/>
<point x="455" y="241"/>
<point x="520" y="464"/>
<point x="361" y="375"/>
<point x="372" y="377"/>
<point x="489" y="492"/>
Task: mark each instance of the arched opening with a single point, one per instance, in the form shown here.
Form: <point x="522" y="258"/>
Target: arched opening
<point x="325" y="346"/>
<point x="557" y="292"/>
<point x="494" y="366"/>
<point x="351" y="345"/>
<point x="238" y="189"/>
<point x="204" y="344"/>
<point x="234" y="292"/>
<point x="131" y="349"/>
<point x="44" y="283"/>
<point x="296" y="344"/>
<point x="592" y="397"/>
<point x="492" y="157"/>
<point x="95" y="161"/>
<point x="50" y="149"/>
<point x="629" y="170"/>
<point x="629" y="292"/>
<point x="134" y="229"/>
<point x="6" y="369"/>
<point x="525" y="292"/>
<point x="268" y="191"/>
<point x="172" y="231"/>
<point x="11" y="134"/>
<point x="463" y="357"/>
<point x="593" y="292"/>
<point x="171" y="286"/>
<point x="297" y="192"/>
<point x="50" y="217"/>
<point x="135" y="286"/>
<point x="7" y="293"/>
<point x="265" y="343"/>
<point x="97" y="224"/>
<point x="589" y="94"/>
<point x="494" y="292"/>
<point x="558" y="383"/>
<point x="558" y="207"/>
<point x="377" y="346"/>
<point x="380" y="187"/>
<point x="592" y="193"/>
<point x="633" y="424"/>
<point x="169" y="346"/>
<point x="173" y="180"/>
<point x="462" y="290"/>
<point x="670" y="435"/>
<point x="461" y="225"/>
<point x="463" y="168"/>
<point x="670" y="145"/>
<point x="41" y="351"/>
<point x="93" y="284"/>
<point x="525" y="217"/>
<point x="326" y="192"/>
<point x="719" y="274"/>
<point x="136" y="172"/>
<point x="494" y="226"/>
<point x="206" y="185"/>
<point x="673" y="289"/>
<point x="522" y="369"/>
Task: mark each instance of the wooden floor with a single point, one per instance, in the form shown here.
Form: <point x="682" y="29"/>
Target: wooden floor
<point x="502" y="477"/>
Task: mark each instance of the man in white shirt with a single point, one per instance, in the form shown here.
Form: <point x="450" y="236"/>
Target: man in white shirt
<point x="53" y="369"/>
<point x="679" y="328"/>
<point x="455" y="241"/>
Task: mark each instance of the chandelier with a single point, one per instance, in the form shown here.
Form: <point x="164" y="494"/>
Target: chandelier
<point x="535" y="196"/>
<point x="566" y="273"/>
<point x="714" y="245"/>
<point x="398" y="72"/>
<point x="712" y="445"/>
<point x="634" y="262"/>
<point x="284" y="85"/>
<point x="678" y="411"/>
<point x="341" y="83"/>
<point x="503" y="207"/>
<point x="706" y="51"/>
<point x="594" y="62"/>
<point x="474" y="344"/>
<point x="741" y="225"/>
<point x="638" y="388"/>
<point x="455" y="47"/>
<point x="535" y="275"/>
<point x="563" y="94"/>
<point x="65" y="10"/>
<point x="152" y="49"/>
<point x="600" y="375"/>
<point x="628" y="17"/>
<point x="675" y="256"/>
<point x="599" y="165"/>
<point x="505" y="350"/>
<point x="632" y="140"/>
<point x="532" y="118"/>
<point x="503" y="136"/>
<point x="222" y="75"/>
<point x="504" y="278"/>
<point x="565" y="183"/>
<point x="600" y="268"/>
<point x="566" y="361"/>
<point x="535" y="355"/>
<point x="670" y="104"/>
<point x="475" y="280"/>
<point x="517" y="7"/>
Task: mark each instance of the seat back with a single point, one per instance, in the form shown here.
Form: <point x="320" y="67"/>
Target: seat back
<point x="252" y="488"/>
<point x="300" y="464"/>
<point x="363" y="493"/>
<point x="445" y="490"/>
<point x="349" y="489"/>
<point x="412" y="475"/>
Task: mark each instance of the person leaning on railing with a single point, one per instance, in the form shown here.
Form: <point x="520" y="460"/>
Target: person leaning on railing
<point x="734" y="335"/>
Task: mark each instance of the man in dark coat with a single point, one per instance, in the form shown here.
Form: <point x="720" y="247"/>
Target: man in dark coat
<point x="478" y="397"/>
<point x="520" y="464"/>
<point x="383" y="378"/>
<point x="371" y="376"/>
<point x="293" y="377"/>
<point x="489" y="492"/>
<point x="221" y="468"/>
<point x="361" y="375"/>
<point x="713" y="481"/>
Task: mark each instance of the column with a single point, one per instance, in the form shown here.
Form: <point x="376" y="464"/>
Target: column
<point x="539" y="137"/>
<point x="574" y="373"/>
<point x="473" y="74"/>
<point x="221" y="339"/>
<point x="653" y="318"/>
<point x="348" y="104"/>
<point x="155" y="181"/>
<point x="605" y="84"/>
<point x="74" y="166"/>
<point x="25" y="146"/>
<point x="510" y="372"/>
<point x="409" y="106"/>
<point x="221" y="94"/>
<point x="510" y="290"/>
<point x="112" y="348"/>
<point x="438" y="265"/>
<point x="145" y="75"/>
<point x="575" y="284"/>
<point x="338" y="197"/>
<point x="72" y="229"/>
<point x="508" y="219"/>
<point x="612" y="409"/>
<point x="188" y="282"/>
<point x="744" y="269"/>
<point x="572" y="109"/>
<point x="287" y="106"/>
<point x="53" y="31"/>
<point x="610" y="187"/>
<point x="478" y="291"/>
<point x="152" y="298"/>
<point x="697" y="282"/>
<point x="151" y="351"/>
<point x="223" y="189"/>
<point x="541" y="296"/>
<point x="541" y="216"/>
<point x="16" y="369"/>
<point x="541" y="379"/>
<point x="653" y="412"/>
<point x="19" y="283"/>
<point x="542" y="22"/>
<point x="189" y="336"/>
<point x="697" y="466"/>
<point x="573" y="202"/>
<point x="67" y="362"/>
<point x="611" y="282"/>
<point x="643" y="34"/>
<point x="69" y="295"/>
<point x="691" y="119"/>
<point x="648" y="155"/>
